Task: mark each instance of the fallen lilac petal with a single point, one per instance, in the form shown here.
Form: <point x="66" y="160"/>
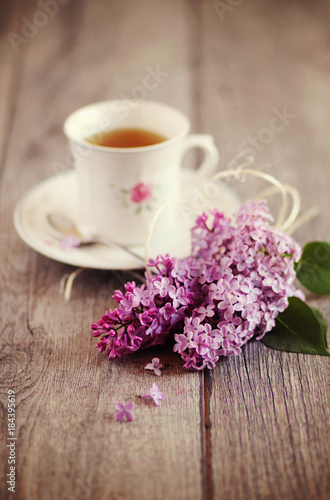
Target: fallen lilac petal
<point x="68" y="242"/>
<point x="124" y="411"/>
<point x="155" y="365"/>
<point x="155" y="394"/>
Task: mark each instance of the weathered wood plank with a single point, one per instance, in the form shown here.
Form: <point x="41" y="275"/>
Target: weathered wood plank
<point x="261" y="430"/>
<point x="69" y="445"/>
<point x="10" y="66"/>
<point x="269" y="411"/>
<point x="10" y="77"/>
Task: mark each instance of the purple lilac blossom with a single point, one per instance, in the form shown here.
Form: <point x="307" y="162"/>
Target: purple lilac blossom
<point x="155" y="366"/>
<point x="70" y="241"/>
<point x="124" y="411"/>
<point x="230" y="289"/>
<point x="154" y="394"/>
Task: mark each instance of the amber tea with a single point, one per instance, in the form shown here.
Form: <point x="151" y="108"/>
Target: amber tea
<point x="126" y="138"/>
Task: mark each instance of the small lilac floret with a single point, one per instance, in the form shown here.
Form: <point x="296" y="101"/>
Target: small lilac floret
<point x="68" y="242"/>
<point x="124" y="411"/>
<point x="154" y="394"/>
<point x="155" y="365"/>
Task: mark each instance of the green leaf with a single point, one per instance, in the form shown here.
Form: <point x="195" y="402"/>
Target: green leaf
<point x="138" y="210"/>
<point x="124" y="191"/>
<point x="313" y="269"/>
<point x="299" y="328"/>
<point x="148" y="207"/>
<point x="323" y="324"/>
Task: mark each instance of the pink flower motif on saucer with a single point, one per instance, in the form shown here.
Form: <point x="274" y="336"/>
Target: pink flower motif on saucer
<point x="141" y="193"/>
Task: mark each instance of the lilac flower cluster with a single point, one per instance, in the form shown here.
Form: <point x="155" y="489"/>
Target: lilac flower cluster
<point x="233" y="285"/>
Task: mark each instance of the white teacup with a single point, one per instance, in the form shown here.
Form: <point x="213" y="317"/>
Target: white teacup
<point x="120" y="189"/>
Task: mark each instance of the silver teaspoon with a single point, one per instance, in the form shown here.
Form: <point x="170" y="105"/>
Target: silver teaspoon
<point x="60" y="227"/>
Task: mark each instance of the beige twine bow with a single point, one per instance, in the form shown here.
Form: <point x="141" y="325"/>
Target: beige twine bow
<point x="289" y="225"/>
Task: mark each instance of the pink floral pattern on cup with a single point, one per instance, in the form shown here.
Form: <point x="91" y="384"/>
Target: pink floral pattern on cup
<point x="141" y="193"/>
<point x="140" y="196"/>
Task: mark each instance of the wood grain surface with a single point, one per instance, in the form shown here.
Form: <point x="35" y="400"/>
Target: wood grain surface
<point x="258" y="426"/>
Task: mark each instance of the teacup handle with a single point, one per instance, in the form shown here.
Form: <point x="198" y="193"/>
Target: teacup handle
<point x="206" y="143"/>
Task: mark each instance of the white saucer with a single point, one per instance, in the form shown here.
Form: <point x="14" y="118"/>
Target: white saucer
<point x="58" y="194"/>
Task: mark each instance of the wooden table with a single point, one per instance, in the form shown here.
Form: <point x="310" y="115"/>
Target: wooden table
<point x="257" y="427"/>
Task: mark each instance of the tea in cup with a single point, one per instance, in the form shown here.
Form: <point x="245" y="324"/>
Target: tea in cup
<point x="128" y="159"/>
